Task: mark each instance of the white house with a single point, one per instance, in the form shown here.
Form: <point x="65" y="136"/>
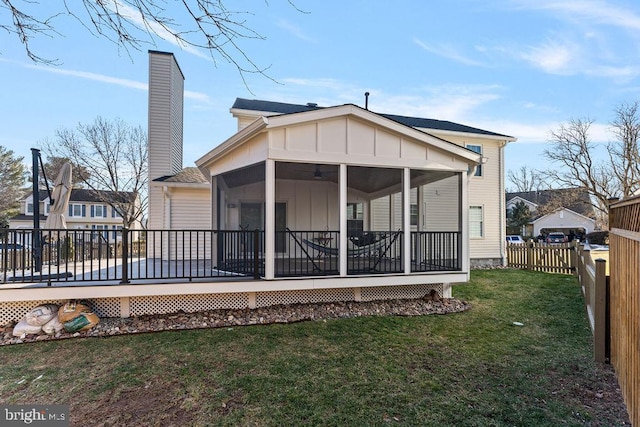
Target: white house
<point x="320" y="183"/>
<point x="567" y="210"/>
<point x="87" y="210"/>
<point x="302" y="204"/>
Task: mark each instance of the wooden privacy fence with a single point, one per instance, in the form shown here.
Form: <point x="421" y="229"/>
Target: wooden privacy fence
<point x="550" y="258"/>
<point x="624" y="255"/>
<point x="594" y="282"/>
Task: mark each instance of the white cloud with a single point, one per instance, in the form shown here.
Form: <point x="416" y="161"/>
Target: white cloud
<point x="102" y="78"/>
<point x="553" y="57"/>
<point x="134" y="16"/>
<point x="540" y="133"/>
<point x="444" y="102"/>
<point x="294" y="30"/>
<point x="595" y="11"/>
<point x="447" y="51"/>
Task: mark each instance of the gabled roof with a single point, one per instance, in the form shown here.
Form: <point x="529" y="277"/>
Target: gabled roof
<point x="280" y="120"/>
<point x="270" y="107"/>
<point x="540" y="218"/>
<point x="93" y="196"/>
<point x="188" y="175"/>
<point x="574" y="199"/>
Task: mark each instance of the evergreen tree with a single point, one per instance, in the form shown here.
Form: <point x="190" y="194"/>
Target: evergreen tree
<point x="12" y="177"/>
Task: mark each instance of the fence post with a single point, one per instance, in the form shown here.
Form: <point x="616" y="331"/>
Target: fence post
<point x="125" y="256"/>
<point x="600" y="313"/>
<point x="530" y="255"/>
<point x="575" y="247"/>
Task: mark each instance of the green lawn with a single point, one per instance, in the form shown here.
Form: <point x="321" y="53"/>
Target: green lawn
<point x="467" y="369"/>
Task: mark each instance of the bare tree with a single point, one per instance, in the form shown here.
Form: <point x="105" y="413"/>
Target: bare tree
<point x="624" y="154"/>
<point x="204" y="24"/>
<point x="115" y="156"/>
<point x="573" y="152"/>
<point x="52" y="167"/>
<point x="526" y="179"/>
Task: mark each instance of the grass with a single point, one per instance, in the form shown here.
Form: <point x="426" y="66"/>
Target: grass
<point x="467" y="369"/>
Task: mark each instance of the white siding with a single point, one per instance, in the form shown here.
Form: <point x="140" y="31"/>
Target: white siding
<point x="487" y="191"/>
<point x="563" y="218"/>
<point x="166" y="87"/>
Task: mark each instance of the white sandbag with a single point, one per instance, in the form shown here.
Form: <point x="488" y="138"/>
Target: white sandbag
<point x="23" y="328"/>
<point x="41" y="314"/>
<point x="53" y="326"/>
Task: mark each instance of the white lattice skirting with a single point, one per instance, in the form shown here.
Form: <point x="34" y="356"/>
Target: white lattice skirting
<point x="140" y="305"/>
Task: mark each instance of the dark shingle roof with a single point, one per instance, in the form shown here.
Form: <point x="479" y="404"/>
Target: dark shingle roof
<point x="96" y="196"/>
<point x="189" y="175"/>
<point x="575" y="199"/>
<point x="283" y="108"/>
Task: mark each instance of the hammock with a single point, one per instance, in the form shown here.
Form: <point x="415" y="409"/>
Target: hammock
<point x="385" y="242"/>
<point x="356" y="251"/>
<point x="381" y="245"/>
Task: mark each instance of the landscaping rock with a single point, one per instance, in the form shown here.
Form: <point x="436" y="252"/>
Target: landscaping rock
<point x="113" y="326"/>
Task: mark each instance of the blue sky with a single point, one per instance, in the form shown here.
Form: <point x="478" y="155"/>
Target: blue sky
<point x="517" y="67"/>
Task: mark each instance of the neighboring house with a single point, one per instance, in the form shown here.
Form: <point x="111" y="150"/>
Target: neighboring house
<point x="87" y="210"/>
<point x="567" y="210"/>
<point x="314" y="180"/>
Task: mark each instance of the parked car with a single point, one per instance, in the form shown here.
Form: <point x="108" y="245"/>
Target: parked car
<point x="557" y="238"/>
<point x="514" y="239"/>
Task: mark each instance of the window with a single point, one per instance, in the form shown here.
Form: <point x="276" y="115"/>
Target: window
<point x="77" y="210"/>
<point x="29" y="208"/>
<point x="117" y="229"/>
<point x="99" y="211"/>
<point x="476" y="222"/>
<point x="355" y="211"/>
<point x="413" y="212"/>
<point x="100" y="231"/>
<point x="355" y="219"/>
<point x="477" y="149"/>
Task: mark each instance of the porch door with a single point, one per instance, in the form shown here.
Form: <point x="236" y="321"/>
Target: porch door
<point x="281" y="227"/>
<point x="252" y="218"/>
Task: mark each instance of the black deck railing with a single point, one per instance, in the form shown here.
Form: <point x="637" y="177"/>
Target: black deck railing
<point x="125" y="256"/>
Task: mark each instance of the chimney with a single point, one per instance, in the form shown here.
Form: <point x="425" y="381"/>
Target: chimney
<point x="165" y="108"/>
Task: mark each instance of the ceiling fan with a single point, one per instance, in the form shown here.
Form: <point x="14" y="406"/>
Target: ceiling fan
<point x="319" y="174"/>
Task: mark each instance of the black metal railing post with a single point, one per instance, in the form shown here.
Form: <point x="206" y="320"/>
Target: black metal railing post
<point x="256" y="254"/>
<point x="125" y="255"/>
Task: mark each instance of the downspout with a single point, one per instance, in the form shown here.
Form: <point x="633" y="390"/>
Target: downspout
<point x="166" y="211"/>
<point x="501" y="207"/>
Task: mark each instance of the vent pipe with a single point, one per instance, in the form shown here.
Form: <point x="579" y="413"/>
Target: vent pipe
<point x="366" y="100"/>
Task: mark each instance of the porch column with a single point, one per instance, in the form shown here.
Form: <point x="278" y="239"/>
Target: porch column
<point x="406" y="219"/>
<point x="422" y="223"/>
<point x="342" y="182"/>
<point x="464" y="220"/>
<point x="215" y="212"/>
<point x="269" y="218"/>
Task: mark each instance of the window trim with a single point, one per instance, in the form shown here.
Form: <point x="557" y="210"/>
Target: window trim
<point x="72" y="208"/>
<point x="483" y="231"/>
<point x="479" y="173"/>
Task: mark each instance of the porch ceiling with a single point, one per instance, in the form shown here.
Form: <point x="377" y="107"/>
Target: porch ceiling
<point x="367" y="180"/>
